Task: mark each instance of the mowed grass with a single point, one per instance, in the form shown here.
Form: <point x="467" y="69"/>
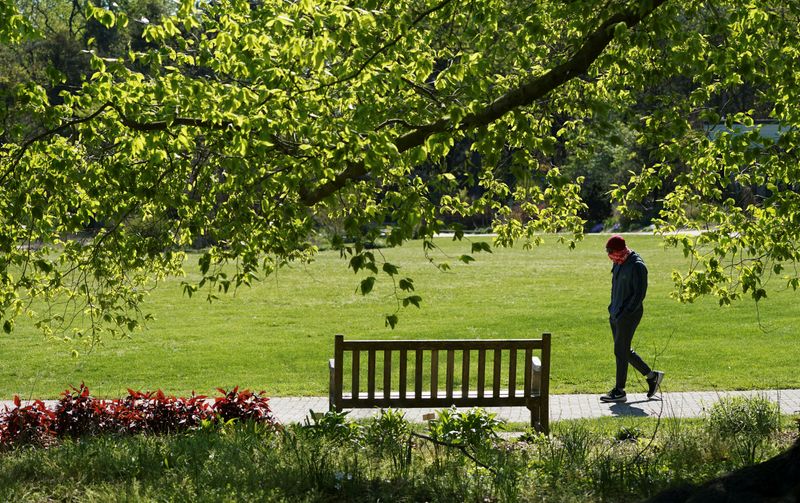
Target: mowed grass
<point x="277" y="335"/>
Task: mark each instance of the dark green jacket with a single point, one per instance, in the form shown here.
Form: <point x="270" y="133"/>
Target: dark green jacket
<point x="628" y="287"/>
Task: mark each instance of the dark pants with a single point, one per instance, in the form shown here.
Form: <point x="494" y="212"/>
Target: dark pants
<point x="623" y="330"/>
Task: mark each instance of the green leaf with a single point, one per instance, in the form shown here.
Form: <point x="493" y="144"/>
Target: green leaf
<point x="357" y="262"/>
<point x="204" y="262"/>
<point x="390" y="269"/>
<point x="103" y="16"/>
<point x="413" y="299"/>
<point x="367" y="284"/>
<point x="620" y="29"/>
<point x="406" y="284"/>
<point x="391" y="320"/>
<point x="481" y="246"/>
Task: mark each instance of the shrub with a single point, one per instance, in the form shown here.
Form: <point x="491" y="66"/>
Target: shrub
<point x="567" y="449"/>
<point x="388" y="429"/>
<point x="157" y="412"/>
<point x="243" y="405"/>
<point x="389" y="434"/>
<point x="474" y="428"/>
<point x="31" y="424"/>
<point x="629" y="434"/>
<point x="332" y="425"/>
<point x="79" y="414"/>
<point x="753" y="416"/>
<point x="744" y="424"/>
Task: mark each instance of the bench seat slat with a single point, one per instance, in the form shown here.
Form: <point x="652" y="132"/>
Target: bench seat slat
<point x="363" y="401"/>
<point x="394" y="395"/>
<point x="440" y="402"/>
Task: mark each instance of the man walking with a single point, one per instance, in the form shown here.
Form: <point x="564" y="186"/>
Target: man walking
<point x="628" y="289"/>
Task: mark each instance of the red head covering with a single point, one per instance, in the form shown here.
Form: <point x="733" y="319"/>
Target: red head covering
<point x="615" y="243"/>
<point x="617" y="249"/>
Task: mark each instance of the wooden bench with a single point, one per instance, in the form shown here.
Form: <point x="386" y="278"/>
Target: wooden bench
<point x="407" y="374"/>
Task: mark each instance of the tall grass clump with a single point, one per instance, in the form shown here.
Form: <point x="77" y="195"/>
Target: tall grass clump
<point x="389" y="436"/>
<point x="743" y="425"/>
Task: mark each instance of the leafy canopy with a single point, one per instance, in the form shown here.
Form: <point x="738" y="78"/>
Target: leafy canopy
<point x="248" y="125"/>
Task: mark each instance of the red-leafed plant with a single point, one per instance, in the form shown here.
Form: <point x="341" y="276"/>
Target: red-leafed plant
<point x="30" y="424"/>
<point x="78" y="413"/>
<point x="243" y="405"/>
<point x="161" y="413"/>
<point x="124" y="419"/>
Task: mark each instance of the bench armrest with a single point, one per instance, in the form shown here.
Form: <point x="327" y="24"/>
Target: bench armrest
<point x="536" y="375"/>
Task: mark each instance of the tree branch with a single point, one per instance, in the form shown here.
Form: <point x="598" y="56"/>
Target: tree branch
<point x="526" y="94"/>
<point x="460" y="447"/>
<point x="423" y="90"/>
<point x="355" y="73"/>
<point x="25" y="146"/>
<point x="164" y="125"/>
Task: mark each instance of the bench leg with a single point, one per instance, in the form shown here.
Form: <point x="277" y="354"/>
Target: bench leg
<point x="544" y="415"/>
<point x="539" y="418"/>
<point x="536" y="412"/>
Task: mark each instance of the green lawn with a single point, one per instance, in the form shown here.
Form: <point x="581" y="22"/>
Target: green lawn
<point x="278" y="335"/>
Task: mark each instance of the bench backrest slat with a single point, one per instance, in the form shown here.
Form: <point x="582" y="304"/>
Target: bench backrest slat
<point x="512" y="372"/>
<point x="371" y="374"/>
<point x="434" y="373"/>
<point x="451" y="356"/>
<point x="387" y="372"/>
<point x="403" y="373"/>
<point x="528" y="356"/>
<point x="465" y="373"/>
<point x="496" y="373"/>
<point x="418" y="375"/>
<point x="356" y="368"/>
<point x="481" y="371"/>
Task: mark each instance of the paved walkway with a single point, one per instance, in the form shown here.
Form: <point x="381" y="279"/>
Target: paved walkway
<point x="679" y="404"/>
<point x="682" y="404"/>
